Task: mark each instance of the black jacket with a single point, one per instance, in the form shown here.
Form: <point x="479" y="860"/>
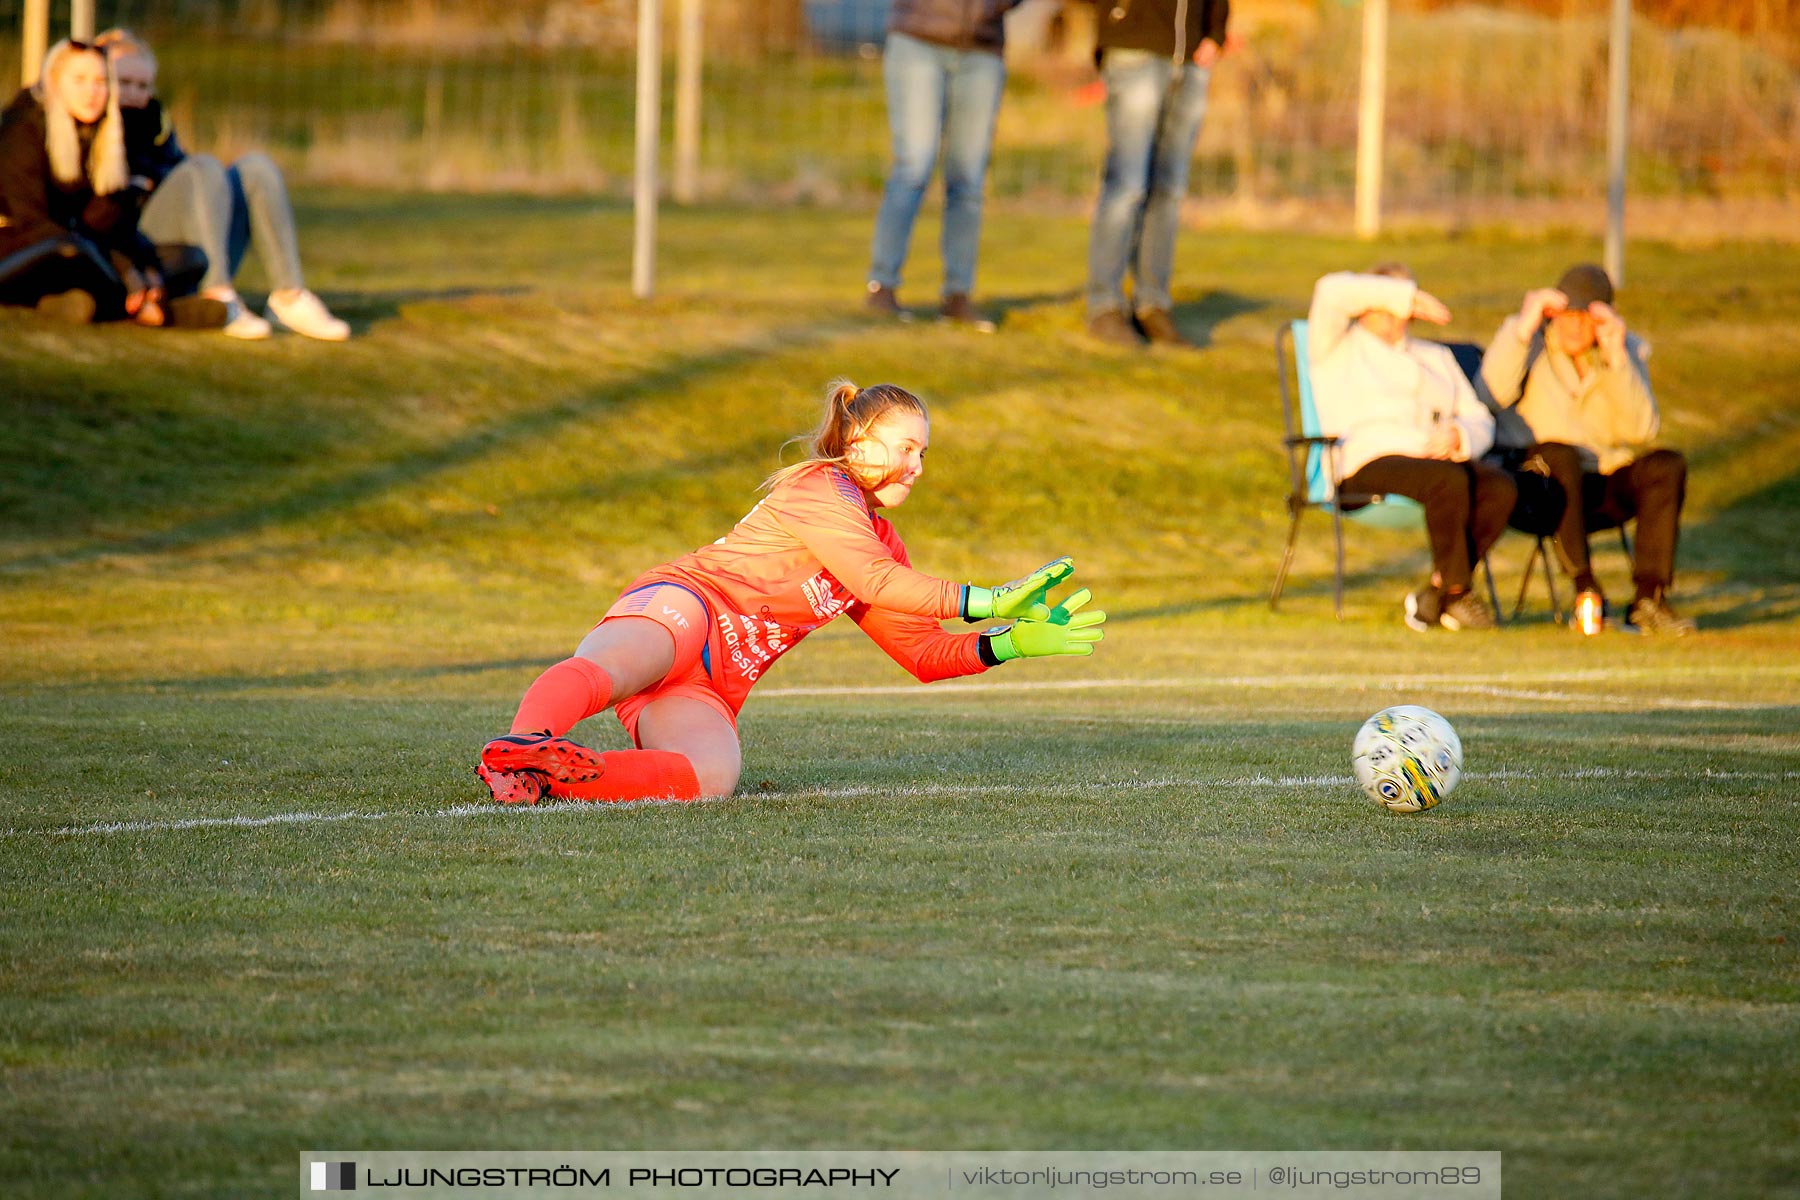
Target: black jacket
<point x="959" y="24"/>
<point x="151" y="148"/>
<point x="1169" y="27"/>
<point x="37" y="207"/>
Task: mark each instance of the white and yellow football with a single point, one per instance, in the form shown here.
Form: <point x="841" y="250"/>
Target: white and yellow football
<point x="1407" y="758"/>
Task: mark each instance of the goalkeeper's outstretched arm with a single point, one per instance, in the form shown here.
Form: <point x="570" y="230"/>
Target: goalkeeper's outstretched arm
<point x="929" y="653"/>
<point x="1071" y="628"/>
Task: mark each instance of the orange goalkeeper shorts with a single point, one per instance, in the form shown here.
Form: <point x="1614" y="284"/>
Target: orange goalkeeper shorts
<point x="684" y="613"/>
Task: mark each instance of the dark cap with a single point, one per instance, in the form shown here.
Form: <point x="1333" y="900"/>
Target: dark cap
<point x="1584" y="285"/>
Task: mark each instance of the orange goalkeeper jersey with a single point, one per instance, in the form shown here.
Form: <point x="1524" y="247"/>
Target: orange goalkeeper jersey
<point x="811" y="550"/>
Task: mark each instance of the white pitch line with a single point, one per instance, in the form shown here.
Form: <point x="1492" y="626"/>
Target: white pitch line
<point x="1578" y="698"/>
<point x="1309" y="679"/>
<point x="1211" y="681"/>
<point x="948" y="687"/>
<point x="305" y="818"/>
<point x="201" y="823"/>
<point x="1476" y="685"/>
<point x="861" y="791"/>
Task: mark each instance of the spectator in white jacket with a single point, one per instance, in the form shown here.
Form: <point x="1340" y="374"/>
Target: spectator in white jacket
<point x="1409" y="424"/>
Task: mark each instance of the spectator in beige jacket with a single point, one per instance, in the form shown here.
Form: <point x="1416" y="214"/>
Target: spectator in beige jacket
<point x="1574" y="400"/>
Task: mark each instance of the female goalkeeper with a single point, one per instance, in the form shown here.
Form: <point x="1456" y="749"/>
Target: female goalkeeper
<point x="676" y="654"/>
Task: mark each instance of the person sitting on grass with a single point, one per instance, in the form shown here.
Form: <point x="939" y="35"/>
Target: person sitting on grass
<point x="1409" y="424"/>
<point x="1574" y="398"/>
<point x="196" y="200"/>
<point x="676" y="654"/>
<point x="69" y="239"/>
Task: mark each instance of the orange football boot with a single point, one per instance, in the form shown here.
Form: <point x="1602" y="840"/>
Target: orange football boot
<point x="557" y="757"/>
<point x="514" y="787"/>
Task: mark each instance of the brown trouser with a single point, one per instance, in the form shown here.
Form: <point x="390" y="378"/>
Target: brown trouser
<point x="1466" y="506"/>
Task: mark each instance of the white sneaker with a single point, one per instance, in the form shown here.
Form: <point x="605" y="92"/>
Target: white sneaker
<point x="307" y="315"/>
<point x="243" y="324"/>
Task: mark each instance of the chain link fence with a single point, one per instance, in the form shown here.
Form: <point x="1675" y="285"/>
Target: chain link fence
<point x="1494" y="114"/>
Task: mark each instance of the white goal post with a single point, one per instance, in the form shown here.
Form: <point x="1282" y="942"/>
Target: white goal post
<point x="649" y="135"/>
<point x="646" y="182"/>
<point x="1371" y="120"/>
<point x="34" y="34"/>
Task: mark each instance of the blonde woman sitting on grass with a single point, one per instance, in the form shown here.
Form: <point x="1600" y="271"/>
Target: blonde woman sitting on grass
<point x="69" y="240"/>
<point x="196" y="200"/>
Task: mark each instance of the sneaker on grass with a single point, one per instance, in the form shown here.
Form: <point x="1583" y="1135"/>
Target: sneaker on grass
<point x="1423" y="609"/>
<point x="1652" y="614"/>
<point x="305" y="314"/>
<point x="243" y="324"/>
<point x="1467" y="611"/>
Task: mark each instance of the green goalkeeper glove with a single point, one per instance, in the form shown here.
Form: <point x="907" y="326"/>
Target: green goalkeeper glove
<point x="1018" y="600"/>
<point x="1067" y="630"/>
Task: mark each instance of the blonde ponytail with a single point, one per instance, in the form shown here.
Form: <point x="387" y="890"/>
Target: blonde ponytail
<point x="850" y="412"/>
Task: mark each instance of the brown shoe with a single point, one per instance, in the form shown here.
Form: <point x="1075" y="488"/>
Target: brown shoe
<point x="956" y="307"/>
<point x="882" y="302"/>
<point x="69" y="308"/>
<point x="1159" y="327"/>
<point x="1115" y="328"/>
<point x="1466" y="610"/>
<point x="195" y="312"/>
<point x="1423" y="609"/>
<point x="1652" y="614"/>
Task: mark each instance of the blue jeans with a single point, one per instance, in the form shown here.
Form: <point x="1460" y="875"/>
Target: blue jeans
<point x="262" y="215"/>
<point x="936" y="94"/>
<point x="223" y="210"/>
<point x="1153" y="115"/>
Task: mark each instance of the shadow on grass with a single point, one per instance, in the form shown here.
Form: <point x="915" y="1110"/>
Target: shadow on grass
<point x="1752" y="543"/>
<point x="1304" y="599"/>
<point x="1000" y="308"/>
<point x="539" y="425"/>
<point x="1198" y="319"/>
<point x="213" y="685"/>
<point x="1762" y="609"/>
<point x="364" y="309"/>
<point x="1005" y="306"/>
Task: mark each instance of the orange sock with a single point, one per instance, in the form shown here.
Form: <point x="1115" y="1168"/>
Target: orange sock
<point x="571" y="691"/>
<point x="636" y="775"/>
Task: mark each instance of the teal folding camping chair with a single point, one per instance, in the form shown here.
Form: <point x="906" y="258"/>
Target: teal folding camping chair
<point x="1314" y="467"/>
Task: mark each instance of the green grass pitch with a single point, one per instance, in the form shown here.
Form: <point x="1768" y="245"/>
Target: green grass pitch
<point x="259" y="604"/>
